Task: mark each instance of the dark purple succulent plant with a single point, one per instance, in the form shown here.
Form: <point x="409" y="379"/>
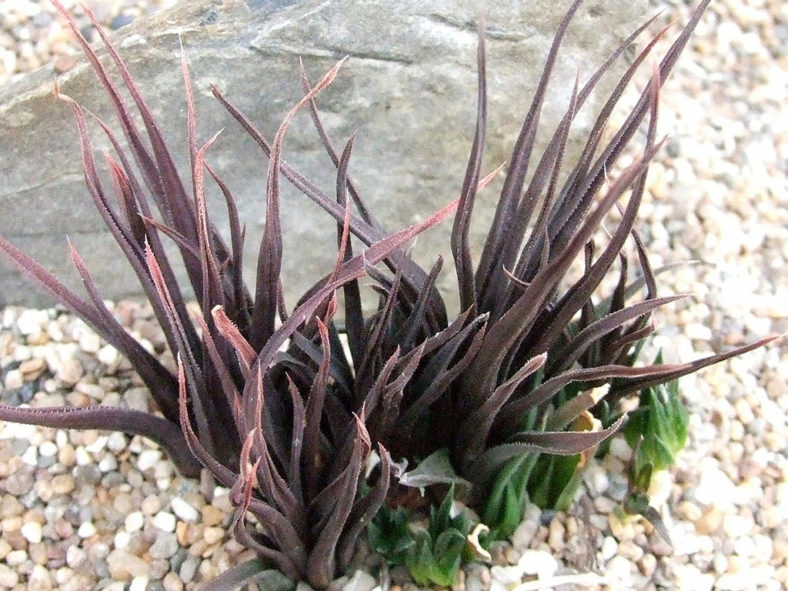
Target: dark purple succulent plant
<point x="286" y="408"/>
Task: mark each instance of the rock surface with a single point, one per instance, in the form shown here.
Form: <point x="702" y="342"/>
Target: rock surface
<point x="408" y="90"/>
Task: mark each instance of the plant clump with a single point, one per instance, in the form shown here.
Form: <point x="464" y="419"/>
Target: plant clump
<point x="321" y="427"/>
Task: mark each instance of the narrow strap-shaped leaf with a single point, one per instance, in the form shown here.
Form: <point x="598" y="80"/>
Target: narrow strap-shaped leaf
<point x="370" y="398"/>
<point x="126" y="200"/>
<point x="511" y="416"/>
<point x="502" y="335"/>
<point x="521" y="154"/>
<point x="352" y="269"/>
<point x="417" y="321"/>
<point x="212" y="293"/>
<point x="246" y="354"/>
<point x="224" y="374"/>
<point x="412" y="274"/>
<point x="240" y="295"/>
<point x="474" y="430"/>
<point x="146" y="163"/>
<point x="255" y="571"/>
<point x="157" y="377"/>
<point x="201" y="403"/>
<point x="394" y="391"/>
<point x="581" y="291"/>
<point x="631" y="124"/>
<point x="160" y="381"/>
<point x="460" y="246"/>
<point x="376" y="340"/>
<point x="282" y="559"/>
<point x="441" y="376"/>
<point x="364" y="510"/>
<point x="322" y="558"/>
<point x="178" y="238"/>
<point x="675" y="372"/>
<point x="125" y="420"/>
<point x="563" y="443"/>
<point x="223" y="474"/>
<point x="531" y="197"/>
<point x="299" y="432"/>
<point x="366" y="214"/>
<point x="354" y="315"/>
<point x="270" y="481"/>
<point x="574" y="198"/>
<point x="155" y="245"/>
<point x="546" y="173"/>
<point x="172" y="188"/>
<point x="574" y="407"/>
<point x="314" y="415"/>
<point x="269" y="262"/>
<point x="572" y="351"/>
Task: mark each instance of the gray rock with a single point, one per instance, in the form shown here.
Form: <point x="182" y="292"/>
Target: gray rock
<point x="19" y="482"/>
<point x="408" y="90"/>
<point x="189" y="569"/>
<point x="165" y="546"/>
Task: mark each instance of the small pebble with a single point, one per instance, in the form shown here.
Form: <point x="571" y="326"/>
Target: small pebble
<point x="184" y="511"/>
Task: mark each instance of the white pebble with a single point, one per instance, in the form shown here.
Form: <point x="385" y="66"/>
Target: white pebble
<point x="746" y="579"/>
<point x="30" y="457"/>
<point x="620" y="448"/>
<point x="83" y="458"/>
<point x="609" y="548"/>
<point x="163" y="469"/>
<point x="147" y="459"/>
<point x="660" y="487"/>
<point x="714" y="486"/>
<point x="737" y="525"/>
<point x="165" y="521"/>
<point x="538" y="562"/>
<point x="108" y="463"/>
<point x="17" y="431"/>
<point x="86" y="530"/>
<point x="75" y="556"/>
<point x="39" y="579"/>
<point x="8" y="578"/>
<point x="184" y="511"/>
<point x="620" y="569"/>
<point x="16" y="558"/>
<point x="597" y="480"/>
<point x="98" y="445"/>
<point x="13" y="379"/>
<point x="90" y="342"/>
<point x="360" y="581"/>
<point x="30" y="322"/>
<point x="47" y="449"/>
<point x="32" y="532"/>
<point x="138" y="584"/>
<point x="116" y="442"/>
<point x="107" y="355"/>
<point x="507" y="575"/>
<point x="527" y="529"/>
<point x="134" y="521"/>
<point x="122" y="539"/>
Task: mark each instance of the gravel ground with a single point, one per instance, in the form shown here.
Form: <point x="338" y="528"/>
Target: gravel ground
<point x="86" y="510"/>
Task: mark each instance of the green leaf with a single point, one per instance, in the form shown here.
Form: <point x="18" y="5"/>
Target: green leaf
<point x="503" y="509"/>
<point x="550" y="480"/>
<point x="447" y="551"/>
<point x="662" y="422"/>
<point x="389" y="535"/>
<point x="434" y="469"/>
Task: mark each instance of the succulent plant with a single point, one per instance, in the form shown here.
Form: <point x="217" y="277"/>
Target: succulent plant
<point x="290" y="409"/>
